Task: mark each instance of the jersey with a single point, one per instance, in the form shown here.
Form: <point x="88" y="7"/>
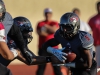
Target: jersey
<point x="94" y="23"/>
<point x="11" y="44"/>
<point x="82" y="41"/>
<point x="7" y="22"/>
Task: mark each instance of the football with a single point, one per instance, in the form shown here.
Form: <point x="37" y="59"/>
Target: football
<point x="71" y="57"/>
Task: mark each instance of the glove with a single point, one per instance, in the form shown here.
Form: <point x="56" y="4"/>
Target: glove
<point x="58" y="53"/>
<point x="14" y="51"/>
<point x="29" y="56"/>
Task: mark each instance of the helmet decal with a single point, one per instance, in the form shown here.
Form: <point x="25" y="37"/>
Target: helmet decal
<point x="73" y="19"/>
<point x="69" y="25"/>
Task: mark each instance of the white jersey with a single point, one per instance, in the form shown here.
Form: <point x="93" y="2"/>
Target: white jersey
<point x="84" y="26"/>
<point x="2" y="33"/>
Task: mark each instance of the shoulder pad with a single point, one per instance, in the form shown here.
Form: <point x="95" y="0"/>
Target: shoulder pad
<point x="86" y="40"/>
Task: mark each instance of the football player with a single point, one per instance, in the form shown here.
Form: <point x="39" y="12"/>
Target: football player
<point x="80" y="42"/>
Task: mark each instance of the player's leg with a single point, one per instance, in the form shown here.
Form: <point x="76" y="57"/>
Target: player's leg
<point x="4" y="70"/>
<point x="57" y="70"/>
<point x="92" y="71"/>
<point x="41" y="68"/>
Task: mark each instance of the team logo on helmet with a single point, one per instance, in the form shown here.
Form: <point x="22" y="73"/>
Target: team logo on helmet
<point x="20" y="23"/>
<point x="74" y="19"/>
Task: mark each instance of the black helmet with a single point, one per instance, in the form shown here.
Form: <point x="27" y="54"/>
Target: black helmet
<point x="25" y="26"/>
<point x="69" y="25"/>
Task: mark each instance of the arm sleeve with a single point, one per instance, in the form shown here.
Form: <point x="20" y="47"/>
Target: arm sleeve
<point x="16" y="35"/>
<point x="52" y="42"/>
<point x="87" y="41"/>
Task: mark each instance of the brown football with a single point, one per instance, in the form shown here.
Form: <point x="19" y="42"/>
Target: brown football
<point x="71" y="57"/>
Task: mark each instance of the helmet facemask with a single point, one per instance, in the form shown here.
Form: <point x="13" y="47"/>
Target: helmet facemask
<point x="68" y="31"/>
<point x="27" y="37"/>
<point x="69" y="25"/>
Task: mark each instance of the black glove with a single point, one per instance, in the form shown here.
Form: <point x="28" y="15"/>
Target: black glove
<point x="28" y="55"/>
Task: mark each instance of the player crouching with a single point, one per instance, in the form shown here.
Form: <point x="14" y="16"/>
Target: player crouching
<point x="75" y="41"/>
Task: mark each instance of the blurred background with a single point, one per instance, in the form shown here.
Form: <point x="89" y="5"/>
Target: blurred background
<point x="33" y="10"/>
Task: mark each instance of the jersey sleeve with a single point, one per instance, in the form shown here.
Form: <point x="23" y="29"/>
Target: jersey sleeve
<point x="2" y="33"/>
<point x="86" y="41"/>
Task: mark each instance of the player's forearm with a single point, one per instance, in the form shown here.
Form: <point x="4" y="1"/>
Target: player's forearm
<point x="89" y="62"/>
<point x="45" y="59"/>
<point x="36" y="60"/>
<point x="5" y="52"/>
<point x="50" y="43"/>
<point x="52" y="29"/>
<point x="88" y="58"/>
<point x="42" y="33"/>
<point x="40" y="60"/>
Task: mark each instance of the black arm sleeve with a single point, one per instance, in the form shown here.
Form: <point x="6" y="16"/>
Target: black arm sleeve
<point x="52" y="42"/>
<point x="16" y="35"/>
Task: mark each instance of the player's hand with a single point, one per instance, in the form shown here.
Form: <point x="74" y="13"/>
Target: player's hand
<point x="58" y="53"/>
<point x="55" y="60"/>
<point x="28" y="55"/>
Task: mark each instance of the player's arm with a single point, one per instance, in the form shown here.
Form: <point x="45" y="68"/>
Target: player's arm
<point x="38" y="59"/>
<point x="52" y="29"/>
<point x="87" y="45"/>
<point x="87" y="56"/>
<point x="41" y="30"/>
<point x="44" y="59"/>
<point x="16" y="35"/>
<point x="56" y="52"/>
<point x="4" y="50"/>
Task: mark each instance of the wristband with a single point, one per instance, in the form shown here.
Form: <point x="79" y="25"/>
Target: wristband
<point x="48" y="59"/>
<point x="14" y="51"/>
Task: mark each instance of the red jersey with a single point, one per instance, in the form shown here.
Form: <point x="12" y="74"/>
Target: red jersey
<point x="43" y="39"/>
<point x="94" y="23"/>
